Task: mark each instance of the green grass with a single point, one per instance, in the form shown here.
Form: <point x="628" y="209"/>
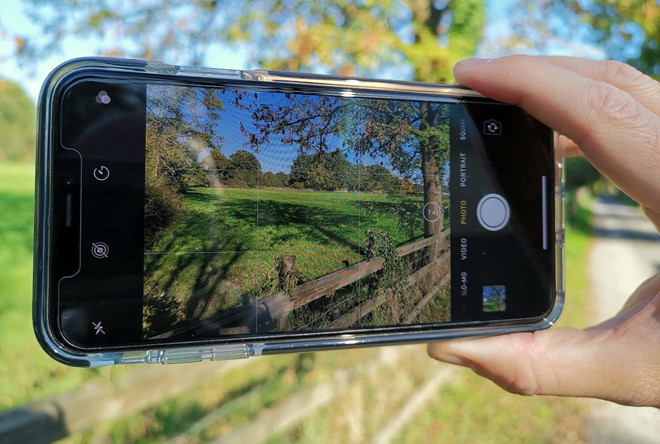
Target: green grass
<point x="475" y="410"/>
<point x="246" y="230"/>
<point x="26" y="372"/>
<point x="469" y="409"/>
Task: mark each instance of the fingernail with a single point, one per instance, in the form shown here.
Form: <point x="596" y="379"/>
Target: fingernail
<point x="445" y="356"/>
<point x="451" y="359"/>
<point x="473" y="63"/>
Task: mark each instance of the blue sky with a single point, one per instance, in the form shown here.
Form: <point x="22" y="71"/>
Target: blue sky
<point x="13" y="17"/>
<point x="275" y="155"/>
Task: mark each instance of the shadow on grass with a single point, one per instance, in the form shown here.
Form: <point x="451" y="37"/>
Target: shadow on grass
<point x="315" y="223"/>
<point x="209" y="246"/>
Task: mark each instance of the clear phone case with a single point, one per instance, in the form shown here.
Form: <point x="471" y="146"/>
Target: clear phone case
<point x="194" y="353"/>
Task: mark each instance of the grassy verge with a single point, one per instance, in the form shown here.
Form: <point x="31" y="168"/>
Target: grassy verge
<point x="475" y="410"/>
<point x="242" y="233"/>
<point x="26" y="372"/>
<point x="468" y="409"/>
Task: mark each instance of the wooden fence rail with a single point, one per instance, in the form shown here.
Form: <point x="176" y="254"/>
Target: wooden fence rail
<point x="370" y="305"/>
<point x="97" y="402"/>
<point x="101" y="401"/>
<point x="247" y="318"/>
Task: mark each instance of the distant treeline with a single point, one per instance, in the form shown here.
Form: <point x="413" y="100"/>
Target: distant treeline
<point x="321" y="171"/>
<point x="17" y="124"/>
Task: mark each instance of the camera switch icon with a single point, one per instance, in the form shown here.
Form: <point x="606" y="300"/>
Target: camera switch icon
<point x="492" y="127"/>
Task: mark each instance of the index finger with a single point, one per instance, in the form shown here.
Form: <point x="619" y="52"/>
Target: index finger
<point x="618" y="135"/>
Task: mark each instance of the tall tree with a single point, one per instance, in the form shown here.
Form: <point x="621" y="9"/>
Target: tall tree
<point x="181" y="126"/>
<point x="351" y="37"/>
<point x="413" y="136"/>
<point x="244" y="167"/>
<point x="628" y="30"/>
<point x="327" y="171"/>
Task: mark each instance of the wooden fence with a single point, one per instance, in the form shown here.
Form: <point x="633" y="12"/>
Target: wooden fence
<point x="268" y="310"/>
<point x="100" y="401"/>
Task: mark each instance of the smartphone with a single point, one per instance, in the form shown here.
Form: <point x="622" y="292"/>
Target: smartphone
<point x="188" y="213"/>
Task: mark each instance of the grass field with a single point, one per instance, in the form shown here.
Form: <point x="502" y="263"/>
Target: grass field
<point x="469" y="409"/>
<point x="26" y="373"/>
<point x="223" y="251"/>
<point x="466" y="409"/>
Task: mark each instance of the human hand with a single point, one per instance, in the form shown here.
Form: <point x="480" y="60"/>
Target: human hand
<point x="611" y="112"/>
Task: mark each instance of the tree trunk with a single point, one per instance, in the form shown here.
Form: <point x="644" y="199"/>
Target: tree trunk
<point x="432" y="188"/>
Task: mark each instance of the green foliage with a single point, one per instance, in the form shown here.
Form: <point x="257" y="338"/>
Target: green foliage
<point x="616" y="22"/>
<point x="161" y="312"/>
<point x="181" y="126"/>
<point x="378" y="178"/>
<point x="238" y="182"/>
<point x="271" y="180"/>
<point x="162" y="206"/>
<point x="218" y="162"/>
<point x="17" y="124"/>
<point x="579" y="172"/>
<point x="391" y="278"/>
<point x="628" y="30"/>
<point x="283" y="177"/>
<point x="324" y="171"/>
<point x="243" y="168"/>
<point x="348" y="37"/>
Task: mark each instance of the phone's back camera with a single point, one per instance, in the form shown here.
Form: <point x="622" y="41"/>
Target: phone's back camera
<point x="102" y="97"/>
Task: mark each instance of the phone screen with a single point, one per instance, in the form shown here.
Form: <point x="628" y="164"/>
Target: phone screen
<point x="225" y="211"/>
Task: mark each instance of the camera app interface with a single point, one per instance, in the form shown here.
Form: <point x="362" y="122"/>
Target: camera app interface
<point x="210" y="212"/>
<point x="270" y="212"/>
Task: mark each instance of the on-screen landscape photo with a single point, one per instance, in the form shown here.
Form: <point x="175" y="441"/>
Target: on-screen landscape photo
<point x="268" y="212"/>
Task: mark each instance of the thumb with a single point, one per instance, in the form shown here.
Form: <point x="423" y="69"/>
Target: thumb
<point x="564" y="361"/>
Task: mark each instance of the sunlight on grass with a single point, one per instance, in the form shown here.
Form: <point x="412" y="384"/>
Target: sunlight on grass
<point x="469" y="409"/>
<point x="223" y="250"/>
<point x="26" y="372"/>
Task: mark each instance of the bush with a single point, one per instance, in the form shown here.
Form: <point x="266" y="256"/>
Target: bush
<point x="162" y="206"/>
<point x="236" y="182"/>
<point x="270" y="180"/>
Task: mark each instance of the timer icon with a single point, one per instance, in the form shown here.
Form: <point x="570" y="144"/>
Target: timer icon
<point x="101" y="173"/>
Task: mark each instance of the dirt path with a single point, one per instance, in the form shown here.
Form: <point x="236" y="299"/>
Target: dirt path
<point x="626" y="251"/>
